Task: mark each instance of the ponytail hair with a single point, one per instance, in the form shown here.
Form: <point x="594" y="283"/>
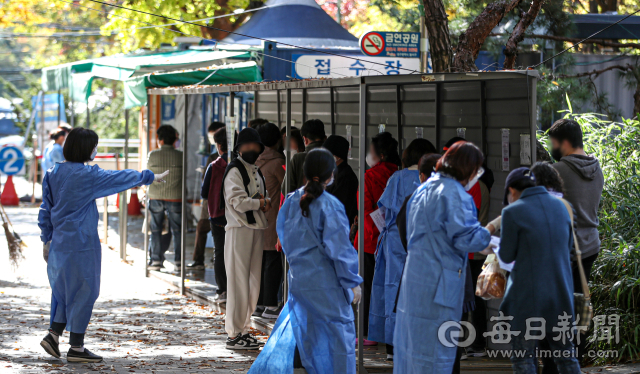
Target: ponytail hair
<point x="318" y="167"/>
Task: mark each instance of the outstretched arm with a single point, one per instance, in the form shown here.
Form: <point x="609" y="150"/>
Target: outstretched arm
<point x="110" y="182"/>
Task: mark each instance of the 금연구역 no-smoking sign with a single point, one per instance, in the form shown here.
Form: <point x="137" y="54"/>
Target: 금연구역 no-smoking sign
<point x="391" y="44"/>
<point x="372" y="44"/>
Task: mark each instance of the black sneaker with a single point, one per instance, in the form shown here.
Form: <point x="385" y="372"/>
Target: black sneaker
<point x="252" y="339"/>
<point x="239" y="342"/>
<point x="49" y="344"/>
<point x="195" y="266"/>
<point x="84" y="356"/>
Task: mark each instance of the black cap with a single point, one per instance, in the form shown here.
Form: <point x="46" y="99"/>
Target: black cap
<point x="513" y="177"/>
<point x="337" y="145"/>
<point x="313" y="129"/>
<point x="248" y="135"/>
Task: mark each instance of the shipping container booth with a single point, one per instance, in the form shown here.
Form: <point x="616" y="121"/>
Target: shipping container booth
<point x="494" y="110"/>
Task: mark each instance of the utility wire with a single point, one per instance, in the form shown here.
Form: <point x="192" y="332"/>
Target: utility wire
<point x="248" y="36"/>
<point x="94" y="32"/>
<point x="578" y="43"/>
<point x="184" y="33"/>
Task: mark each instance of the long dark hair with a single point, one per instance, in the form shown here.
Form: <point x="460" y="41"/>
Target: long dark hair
<point x="547" y="176"/>
<point x="385" y="145"/>
<point x="318" y="166"/>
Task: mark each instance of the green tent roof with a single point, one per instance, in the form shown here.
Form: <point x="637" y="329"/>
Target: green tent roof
<point x="78" y="76"/>
<point x="135" y="89"/>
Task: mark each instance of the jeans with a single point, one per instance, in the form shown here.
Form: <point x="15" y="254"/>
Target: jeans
<point x="219" y="269"/>
<point x="526" y="363"/>
<point x="157" y="209"/>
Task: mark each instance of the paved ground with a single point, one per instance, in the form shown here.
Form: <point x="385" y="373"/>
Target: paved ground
<point x="138" y="324"/>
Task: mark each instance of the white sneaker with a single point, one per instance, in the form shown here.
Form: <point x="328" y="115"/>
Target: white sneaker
<point x="270" y="313"/>
<point x="220" y="298"/>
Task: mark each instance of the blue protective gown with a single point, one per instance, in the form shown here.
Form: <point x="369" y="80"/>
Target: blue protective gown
<point x="390" y="256"/>
<point x="69" y="218"/>
<point x="442" y="229"/>
<point x="317" y="317"/>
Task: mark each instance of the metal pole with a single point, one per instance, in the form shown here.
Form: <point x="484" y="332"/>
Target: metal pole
<point x="362" y="148"/>
<point x="287" y="187"/>
<point x="183" y="239"/>
<point x="42" y="131"/>
<point x="88" y="116"/>
<point x="424" y="43"/>
<point x="59" y="102"/>
<point x="146" y="202"/>
<point x="105" y="219"/>
<point x="124" y="203"/>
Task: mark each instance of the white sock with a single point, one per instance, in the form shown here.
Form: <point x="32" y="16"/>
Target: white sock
<point x="78" y="349"/>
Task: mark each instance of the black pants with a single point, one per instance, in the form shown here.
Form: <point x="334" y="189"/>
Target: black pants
<point x="479" y="314"/>
<point x="587" y="264"/>
<point x="75" y="339"/>
<point x="459" y="351"/>
<point x="219" y="269"/>
<point x="369" y="267"/>
<point x="271" y="278"/>
<point x="202" y="230"/>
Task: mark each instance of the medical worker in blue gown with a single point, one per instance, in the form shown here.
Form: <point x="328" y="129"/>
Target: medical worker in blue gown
<point x="68" y="221"/>
<point x="390" y="254"/>
<point x="315" y="329"/>
<point x="442" y="228"/>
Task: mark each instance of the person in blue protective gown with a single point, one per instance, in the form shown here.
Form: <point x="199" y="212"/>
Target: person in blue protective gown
<point x="53" y="152"/>
<point x="442" y="228"/>
<point x="390" y="254"/>
<point x="315" y="329"/>
<point x="68" y="221"/>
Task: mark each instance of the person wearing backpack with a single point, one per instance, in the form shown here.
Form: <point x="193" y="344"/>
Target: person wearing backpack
<point x="211" y="188"/>
<point x="246" y="201"/>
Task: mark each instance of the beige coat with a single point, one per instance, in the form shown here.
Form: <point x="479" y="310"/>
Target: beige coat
<point x="271" y="165"/>
<point x="238" y="203"/>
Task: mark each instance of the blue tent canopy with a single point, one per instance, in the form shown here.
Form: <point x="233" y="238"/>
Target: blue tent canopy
<point x="298" y="22"/>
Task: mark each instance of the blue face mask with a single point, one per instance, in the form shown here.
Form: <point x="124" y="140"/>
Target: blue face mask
<point x="94" y="153"/>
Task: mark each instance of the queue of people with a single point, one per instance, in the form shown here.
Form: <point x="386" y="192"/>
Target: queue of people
<point x="426" y="225"/>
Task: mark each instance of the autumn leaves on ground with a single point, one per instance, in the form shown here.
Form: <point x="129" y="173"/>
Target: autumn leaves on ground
<point x="137" y="325"/>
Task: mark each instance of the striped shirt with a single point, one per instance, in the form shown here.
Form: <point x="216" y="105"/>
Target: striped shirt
<point x="161" y="160"/>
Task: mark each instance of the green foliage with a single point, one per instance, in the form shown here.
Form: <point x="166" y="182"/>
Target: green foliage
<point x="615" y="282"/>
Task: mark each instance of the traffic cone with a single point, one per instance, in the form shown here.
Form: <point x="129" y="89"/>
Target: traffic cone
<point x="133" y="209"/>
<point x="9" y="196"/>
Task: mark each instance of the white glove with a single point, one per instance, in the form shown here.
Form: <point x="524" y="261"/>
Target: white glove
<point x="357" y="294"/>
<point x="489" y="250"/>
<point x="159" y="178"/>
<point x="45" y="251"/>
<point x="496" y="223"/>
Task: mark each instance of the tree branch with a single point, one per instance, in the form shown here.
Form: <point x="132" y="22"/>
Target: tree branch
<point x="511" y="48"/>
<point x="596" y="73"/>
<point x="470" y="41"/>
<point x="601" y="42"/>
<point x="437" y="25"/>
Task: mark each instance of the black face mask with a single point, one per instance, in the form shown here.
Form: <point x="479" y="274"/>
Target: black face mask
<point x="250" y="157"/>
<point x="556" y="154"/>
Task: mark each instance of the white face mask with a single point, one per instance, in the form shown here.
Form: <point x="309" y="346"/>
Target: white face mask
<point x="472" y="182"/>
<point x="330" y="182"/>
<point x="210" y="137"/>
<point x="94" y="153"/>
<point x="370" y="161"/>
<point x="293" y="153"/>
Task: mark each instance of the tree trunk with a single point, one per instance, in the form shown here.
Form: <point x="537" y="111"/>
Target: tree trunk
<point x="636" y="102"/>
<point x="471" y="41"/>
<point x="438" y="29"/>
<point x="225" y="23"/>
<point x="511" y="48"/>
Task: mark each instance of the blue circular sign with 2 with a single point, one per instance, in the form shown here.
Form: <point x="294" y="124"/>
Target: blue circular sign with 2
<point x="11" y="160"/>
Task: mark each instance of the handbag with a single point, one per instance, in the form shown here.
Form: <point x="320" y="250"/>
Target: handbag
<point x="581" y="301"/>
